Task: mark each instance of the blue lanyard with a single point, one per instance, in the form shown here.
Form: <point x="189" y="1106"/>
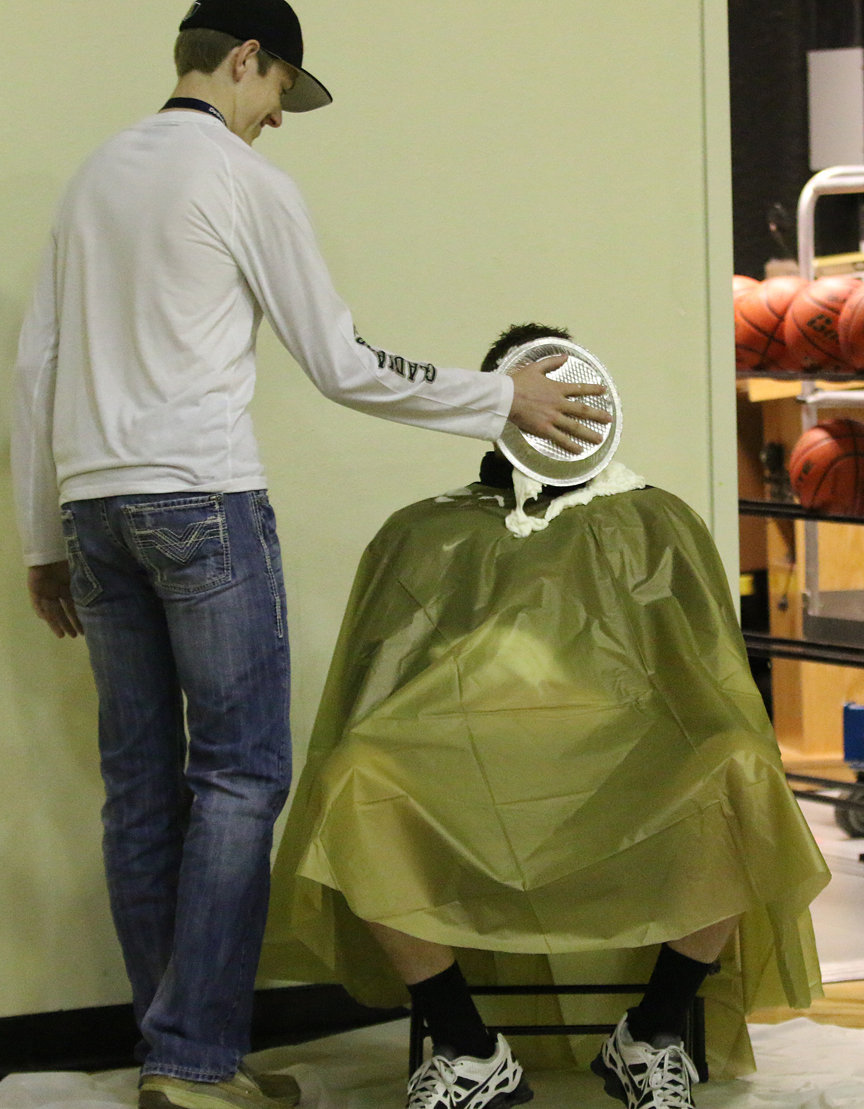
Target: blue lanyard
<point x="195" y="105"/>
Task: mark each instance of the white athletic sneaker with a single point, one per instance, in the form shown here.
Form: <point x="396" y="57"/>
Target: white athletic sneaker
<point x="644" y="1076"/>
<point x="469" y="1083"/>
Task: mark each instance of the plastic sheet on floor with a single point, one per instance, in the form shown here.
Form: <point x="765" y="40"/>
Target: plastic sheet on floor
<point x="802" y="1065"/>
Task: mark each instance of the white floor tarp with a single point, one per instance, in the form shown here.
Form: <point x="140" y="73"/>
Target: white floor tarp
<point x="802" y="1065"/>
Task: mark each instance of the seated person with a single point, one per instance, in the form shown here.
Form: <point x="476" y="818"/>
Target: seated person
<point x="550" y="747"/>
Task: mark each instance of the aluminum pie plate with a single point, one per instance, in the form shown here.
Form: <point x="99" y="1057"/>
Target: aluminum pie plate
<point x="542" y="459"/>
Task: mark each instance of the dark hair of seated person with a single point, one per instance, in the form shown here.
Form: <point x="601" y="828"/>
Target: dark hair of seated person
<point x="515" y="336"/>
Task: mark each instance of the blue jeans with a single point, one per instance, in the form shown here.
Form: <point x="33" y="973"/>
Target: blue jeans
<point x="183" y="606"/>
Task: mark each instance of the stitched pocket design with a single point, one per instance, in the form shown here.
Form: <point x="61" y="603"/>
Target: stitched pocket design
<point x="182" y="543"/>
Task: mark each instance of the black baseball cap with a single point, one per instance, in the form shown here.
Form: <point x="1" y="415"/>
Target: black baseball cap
<point x="275" y="25"/>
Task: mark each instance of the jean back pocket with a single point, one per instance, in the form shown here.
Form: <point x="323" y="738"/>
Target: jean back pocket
<point x="181" y="541"/>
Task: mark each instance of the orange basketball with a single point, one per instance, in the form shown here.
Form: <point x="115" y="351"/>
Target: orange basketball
<point x="810" y="329"/>
<point x="850" y="329"/>
<point x="759" y="314"/>
<point x="741" y="283"/>
<point x="826" y="467"/>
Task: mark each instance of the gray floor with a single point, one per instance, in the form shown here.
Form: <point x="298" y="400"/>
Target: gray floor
<point x="838" y="912"/>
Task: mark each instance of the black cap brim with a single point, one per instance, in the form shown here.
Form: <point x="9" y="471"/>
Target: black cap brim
<point x="306" y="93"/>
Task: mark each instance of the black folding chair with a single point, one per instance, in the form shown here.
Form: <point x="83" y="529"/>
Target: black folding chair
<point x="694" y="1033"/>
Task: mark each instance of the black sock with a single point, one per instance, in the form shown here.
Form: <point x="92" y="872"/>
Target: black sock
<point x="670" y="993"/>
<point x="451" y="1015"/>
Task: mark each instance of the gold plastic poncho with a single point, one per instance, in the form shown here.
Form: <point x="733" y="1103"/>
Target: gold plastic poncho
<point x="550" y="747"/>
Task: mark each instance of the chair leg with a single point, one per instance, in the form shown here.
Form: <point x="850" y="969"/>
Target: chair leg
<point x="694" y="1037"/>
<point x="416" y="1036"/>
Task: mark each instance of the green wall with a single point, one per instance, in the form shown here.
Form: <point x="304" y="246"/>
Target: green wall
<point x="485" y="161"/>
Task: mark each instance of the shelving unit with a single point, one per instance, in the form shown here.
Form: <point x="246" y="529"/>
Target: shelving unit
<point x="825" y="614"/>
<point x="834" y="634"/>
<point x="833" y="621"/>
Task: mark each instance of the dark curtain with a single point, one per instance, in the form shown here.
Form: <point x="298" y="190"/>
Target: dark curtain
<point x="768" y="44"/>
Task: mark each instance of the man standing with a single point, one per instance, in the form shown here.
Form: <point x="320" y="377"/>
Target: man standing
<point x="135" y="371"/>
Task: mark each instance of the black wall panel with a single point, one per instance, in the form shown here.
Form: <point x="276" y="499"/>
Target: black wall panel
<point x="768" y="44"/>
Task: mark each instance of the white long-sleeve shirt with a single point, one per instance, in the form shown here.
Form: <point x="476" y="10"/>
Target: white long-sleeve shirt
<point x="136" y="361"/>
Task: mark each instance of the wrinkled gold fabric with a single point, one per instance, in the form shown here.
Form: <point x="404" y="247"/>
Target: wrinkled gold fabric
<point x="548" y="752"/>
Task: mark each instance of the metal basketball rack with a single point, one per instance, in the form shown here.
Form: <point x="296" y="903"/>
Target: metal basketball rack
<point x="834" y="616"/>
<point x="833" y="620"/>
